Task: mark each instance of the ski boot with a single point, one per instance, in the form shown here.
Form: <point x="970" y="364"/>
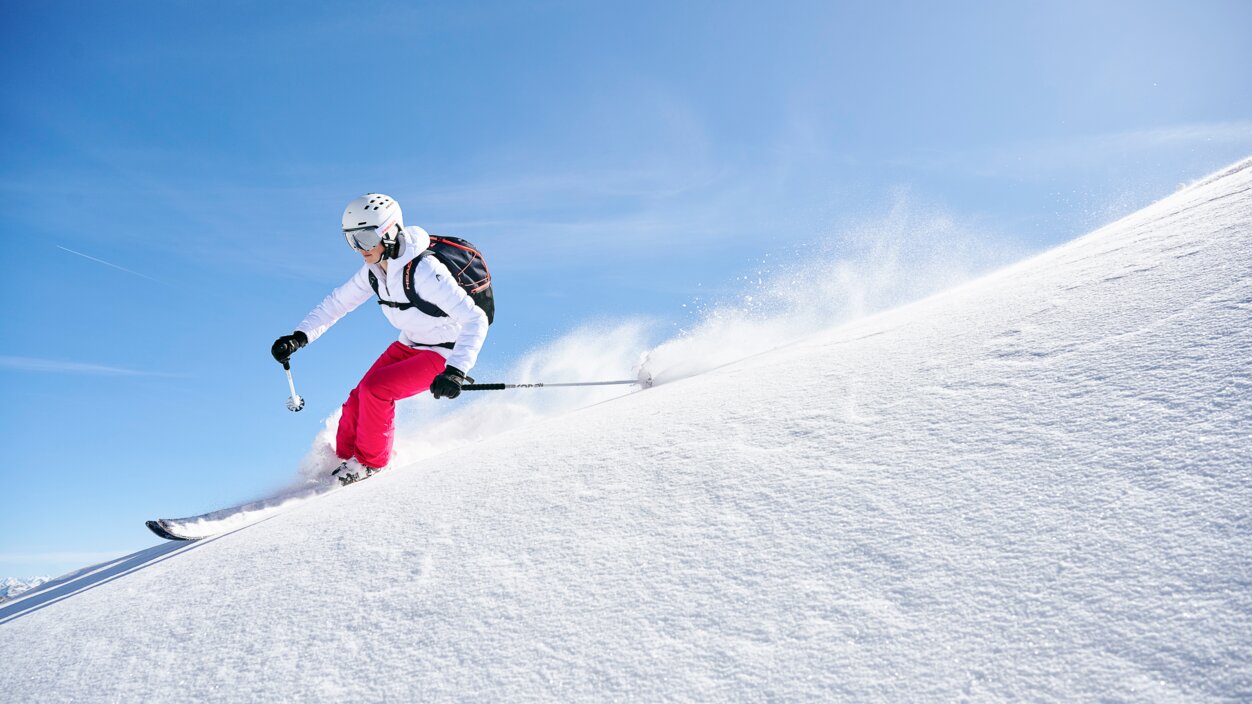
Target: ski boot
<point x="352" y="470"/>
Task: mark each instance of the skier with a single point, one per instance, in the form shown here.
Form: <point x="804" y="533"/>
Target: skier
<point x="433" y="352"/>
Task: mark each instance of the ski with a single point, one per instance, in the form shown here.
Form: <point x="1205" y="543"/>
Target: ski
<point x="225" y="520"/>
<point x="161" y="528"/>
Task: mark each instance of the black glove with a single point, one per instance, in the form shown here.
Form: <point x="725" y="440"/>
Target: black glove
<point x="287" y="345"/>
<point x="448" y="383"/>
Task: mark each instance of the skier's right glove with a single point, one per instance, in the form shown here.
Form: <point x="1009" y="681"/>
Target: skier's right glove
<point x="448" y="383"/>
<point x="287" y="345"/>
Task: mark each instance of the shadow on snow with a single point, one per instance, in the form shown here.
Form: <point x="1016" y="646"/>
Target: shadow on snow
<point x="88" y="578"/>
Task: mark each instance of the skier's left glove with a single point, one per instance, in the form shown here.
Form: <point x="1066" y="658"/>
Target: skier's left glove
<point x="287" y="345"/>
<point x="448" y="383"/>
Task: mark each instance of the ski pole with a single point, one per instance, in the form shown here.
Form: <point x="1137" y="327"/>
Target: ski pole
<point x="295" y="403"/>
<point x="645" y="383"/>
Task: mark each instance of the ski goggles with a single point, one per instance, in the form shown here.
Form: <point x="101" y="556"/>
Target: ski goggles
<point x="363" y="239"/>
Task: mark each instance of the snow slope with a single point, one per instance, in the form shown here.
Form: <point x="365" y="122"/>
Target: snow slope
<point x="1034" y="486"/>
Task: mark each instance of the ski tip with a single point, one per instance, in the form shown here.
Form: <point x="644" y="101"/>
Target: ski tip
<point x="159" y="527"/>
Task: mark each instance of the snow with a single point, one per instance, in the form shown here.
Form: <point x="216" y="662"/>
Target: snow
<point x="1032" y="486"/>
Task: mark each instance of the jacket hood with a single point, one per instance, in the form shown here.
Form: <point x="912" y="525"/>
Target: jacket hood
<point x="418" y="238"/>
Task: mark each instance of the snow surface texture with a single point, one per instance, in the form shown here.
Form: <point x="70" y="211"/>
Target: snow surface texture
<point x="1033" y="486"/>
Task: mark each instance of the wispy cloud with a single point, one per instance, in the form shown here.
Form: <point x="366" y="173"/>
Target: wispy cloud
<point x="51" y="557"/>
<point x="1047" y="156"/>
<point x="32" y="364"/>
<point x="1097" y="149"/>
<point x="115" y="266"/>
<point x="1223" y="132"/>
<point x="635" y="181"/>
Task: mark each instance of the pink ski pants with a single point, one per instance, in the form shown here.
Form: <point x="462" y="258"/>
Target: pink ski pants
<point x="367" y="426"/>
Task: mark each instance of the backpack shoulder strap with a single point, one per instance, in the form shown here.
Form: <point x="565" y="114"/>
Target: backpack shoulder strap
<point x="410" y="288"/>
<point x="381" y="302"/>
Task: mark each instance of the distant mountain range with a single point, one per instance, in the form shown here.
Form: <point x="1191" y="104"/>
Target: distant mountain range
<point x="11" y="588"/>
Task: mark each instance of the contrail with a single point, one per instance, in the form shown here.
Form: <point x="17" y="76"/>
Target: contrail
<point x="122" y="268"/>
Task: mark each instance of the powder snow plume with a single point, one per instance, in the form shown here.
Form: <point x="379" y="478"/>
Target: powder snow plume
<point x="867" y="267"/>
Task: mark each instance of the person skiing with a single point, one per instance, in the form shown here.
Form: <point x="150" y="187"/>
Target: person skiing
<point x="433" y="351"/>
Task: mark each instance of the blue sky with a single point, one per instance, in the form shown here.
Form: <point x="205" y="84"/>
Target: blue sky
<point x="172" y="176"/>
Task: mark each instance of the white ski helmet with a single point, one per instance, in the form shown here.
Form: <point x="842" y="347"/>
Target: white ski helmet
<point x="371" y="219"/>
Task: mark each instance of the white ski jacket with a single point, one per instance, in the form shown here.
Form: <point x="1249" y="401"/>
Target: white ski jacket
<point x="465" y="324"/>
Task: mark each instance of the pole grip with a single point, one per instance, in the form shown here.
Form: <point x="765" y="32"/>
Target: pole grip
<point x="483" y="387"/>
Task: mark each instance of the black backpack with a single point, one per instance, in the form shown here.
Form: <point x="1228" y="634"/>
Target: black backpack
<point x="467" y="266"/>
